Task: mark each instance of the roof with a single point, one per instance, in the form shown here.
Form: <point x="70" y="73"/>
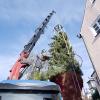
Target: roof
<point x="28" y="85"/>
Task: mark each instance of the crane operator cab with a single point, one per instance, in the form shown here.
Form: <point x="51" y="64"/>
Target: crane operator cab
<point x="29" y="90"/>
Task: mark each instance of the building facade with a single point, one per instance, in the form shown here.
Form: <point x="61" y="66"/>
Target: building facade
<point x="90" y="32"/>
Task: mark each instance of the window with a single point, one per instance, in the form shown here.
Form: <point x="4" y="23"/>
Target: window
<point x="96" y="26"/>
<point x="29" y="95"/>
<point x="92" y="1"/>
<point x="32" y="96"/>
<point x="97" y="80"/>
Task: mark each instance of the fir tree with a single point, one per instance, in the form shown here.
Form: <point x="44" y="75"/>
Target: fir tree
<point x="64" y="69"/>
<point x="62" y="55"/>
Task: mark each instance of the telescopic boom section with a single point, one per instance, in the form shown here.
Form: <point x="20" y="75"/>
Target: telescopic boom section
<point x="20" y="65"/>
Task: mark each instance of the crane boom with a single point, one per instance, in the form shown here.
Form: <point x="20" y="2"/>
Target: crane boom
<point x="20" y="64"/>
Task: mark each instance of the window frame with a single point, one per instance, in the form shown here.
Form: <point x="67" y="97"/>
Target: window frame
<point x="96" y="26"/>
<point x="92" y="1"/>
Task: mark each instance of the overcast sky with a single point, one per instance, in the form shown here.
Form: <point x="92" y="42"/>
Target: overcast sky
<point x="19" y="19"/>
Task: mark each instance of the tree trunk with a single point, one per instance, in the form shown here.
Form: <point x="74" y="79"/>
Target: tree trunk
<point x="71" y="85"/>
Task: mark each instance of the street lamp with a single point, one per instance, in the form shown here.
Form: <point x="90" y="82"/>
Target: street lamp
<point x="81" y="37"/>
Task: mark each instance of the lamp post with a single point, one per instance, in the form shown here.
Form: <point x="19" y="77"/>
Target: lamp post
<point x="81" y="37"/>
